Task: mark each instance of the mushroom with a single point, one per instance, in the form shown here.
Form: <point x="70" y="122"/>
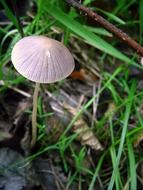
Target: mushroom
<point x="142" y="61"/>
<point x="42" y="60"/>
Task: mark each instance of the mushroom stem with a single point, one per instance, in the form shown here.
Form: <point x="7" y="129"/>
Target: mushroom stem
<point x="34" y="114"/>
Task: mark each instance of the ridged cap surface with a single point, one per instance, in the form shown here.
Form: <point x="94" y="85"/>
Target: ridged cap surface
<point x="41" y="59"/>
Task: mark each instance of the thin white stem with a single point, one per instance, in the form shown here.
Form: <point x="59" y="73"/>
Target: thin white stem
<point x="34" y="114"/>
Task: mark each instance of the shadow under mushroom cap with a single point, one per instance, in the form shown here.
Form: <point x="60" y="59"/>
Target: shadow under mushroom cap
<point x="41" y="59"/>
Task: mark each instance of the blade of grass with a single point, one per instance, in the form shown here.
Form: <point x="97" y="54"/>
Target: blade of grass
<point x="114" y="156"/>
<point x="91" y="186"/>
<point x="119" y="6"/>
<point x="100" y="31"/>
<point x="111" y="16"/>
<point x="71" y="179"/>
<point x="123" y="6"/>
<point x="91" y="38"/>
<point x="132" y="165"/>
<point x="126" y="7"/>
<point x="86" y="2"/>
<point x="112" y="77"/>
<point x="9" y="13"/>
<point x="123" y="135"/>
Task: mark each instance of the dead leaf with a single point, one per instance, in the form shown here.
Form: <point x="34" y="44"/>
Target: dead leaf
<point x="5" y="135"/>
<point x="22" y="106"/>
<point x="4" y="130"/>
<point x="110" y="110"/>
<point x="138" y="142"/>
<point x="84" y="134"/>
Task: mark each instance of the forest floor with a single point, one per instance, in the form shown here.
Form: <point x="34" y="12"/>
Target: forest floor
<point x="90" y="125"/>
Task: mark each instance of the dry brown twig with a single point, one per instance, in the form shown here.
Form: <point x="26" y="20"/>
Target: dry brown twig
<point x="107" y="25"/>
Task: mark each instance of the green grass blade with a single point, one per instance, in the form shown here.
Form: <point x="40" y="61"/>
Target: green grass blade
<point x="113" y="17"/>
<point x="9" y="13"/>
<point x="100" y="31"/>
<point x="86" y="2"/>
<point x="133" y="177"/>
<point x="83" y="32"/>
<point x="91" y="186"/>
<point x="114" y="156"/>
<point x="112" y="77"/>
<point x="123" y="135"/>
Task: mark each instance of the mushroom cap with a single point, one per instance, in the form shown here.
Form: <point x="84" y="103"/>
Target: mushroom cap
<point x="41" y="59"/>
<point x="142" y="61"/>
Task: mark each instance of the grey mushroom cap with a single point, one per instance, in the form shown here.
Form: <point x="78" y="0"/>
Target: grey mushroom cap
<point x="142" y="61"/>
<point x="41" y="59"/>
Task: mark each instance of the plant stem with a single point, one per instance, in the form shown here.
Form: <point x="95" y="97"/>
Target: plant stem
<point x="110" y="27"/>
<point x="34" y="114"/>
